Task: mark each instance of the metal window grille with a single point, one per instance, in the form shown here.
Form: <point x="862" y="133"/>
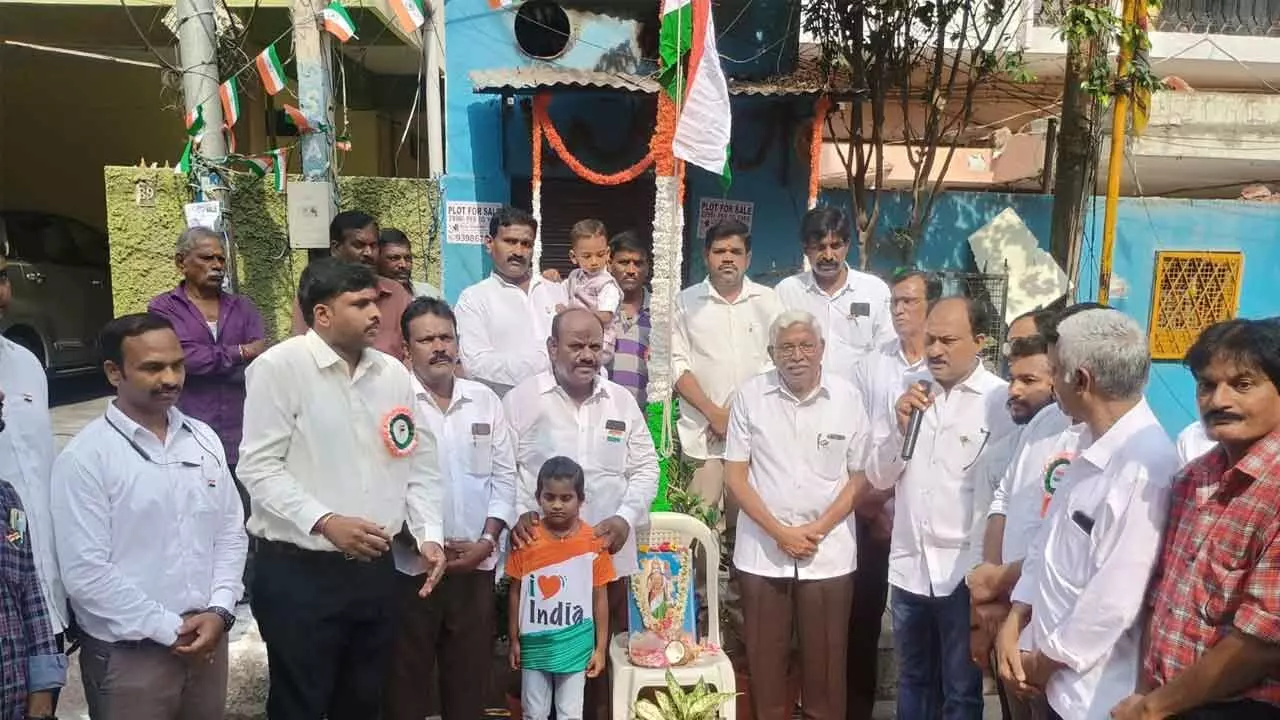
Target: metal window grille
<point x="991" y="290"/>
<point x="1192" y="290"/>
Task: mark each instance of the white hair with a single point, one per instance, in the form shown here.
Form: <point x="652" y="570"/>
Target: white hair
<point x="192" y="236"/>
<point x="1110" y="346"/>
<point x="790" y="319"/>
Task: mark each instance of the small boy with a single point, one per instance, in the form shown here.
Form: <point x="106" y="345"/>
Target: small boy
<point x="559" y="615"/>
<point x="590" y="285"/>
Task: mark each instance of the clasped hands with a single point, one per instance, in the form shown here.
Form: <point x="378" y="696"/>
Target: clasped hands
<point x="364" y="541"/>
<point x="799" y="541"/>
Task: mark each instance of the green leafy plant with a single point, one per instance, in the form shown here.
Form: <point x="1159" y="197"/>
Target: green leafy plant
<point x="676" y="704"/>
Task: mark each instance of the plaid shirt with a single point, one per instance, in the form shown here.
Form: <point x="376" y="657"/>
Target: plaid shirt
<point x="1219" y="568"/>
<point x="29" y="658"/>
<point x="630" y="365"/>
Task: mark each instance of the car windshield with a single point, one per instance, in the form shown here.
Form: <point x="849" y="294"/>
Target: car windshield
<point x="40" y="238"/>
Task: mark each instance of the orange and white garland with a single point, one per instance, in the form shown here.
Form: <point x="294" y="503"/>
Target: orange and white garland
<point x="668" y="254"/>
<point x="820" y="110"/>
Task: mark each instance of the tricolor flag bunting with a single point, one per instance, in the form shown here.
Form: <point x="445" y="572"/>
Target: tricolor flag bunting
<point x="229" y="93"/>
<point x="270" y="70"/>
<point x="297" y="119"/>
<point x="279" y="168"/>
<point x="258" y="165"/>
<point x="343" y="143"/>
<point x="184" y="163"/>
<point x="337" y="22"/>
<point x="408" y="14"/>
<point x="195" y="121"/>
<point x="704" y="125"/>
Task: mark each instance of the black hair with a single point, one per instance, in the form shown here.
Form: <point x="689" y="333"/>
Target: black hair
<point x="426" y="306"/>
<point x="820" y="222"/>
<point x="979" y="315"/>
<point x="392" y="236"/>
<point x="1044" y="320"/>
<point x="1025" y="347"/>
<point x="628" y="241"/>
<point x="348" y="221"/>
<point x="557" y="321"/>
<point x="507" y="216"/>
<point x="115" y="332"/>
<point x="932" y="286"/>
<point x="1247" y="343"/>
<point x="562" y="468"/>
<point x="324" y="279"/>
<point x="1050" y="330"/>
<point x="727" y="229"/>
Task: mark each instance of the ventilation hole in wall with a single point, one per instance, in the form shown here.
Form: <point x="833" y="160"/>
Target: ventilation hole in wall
<point x="542" y="29"/>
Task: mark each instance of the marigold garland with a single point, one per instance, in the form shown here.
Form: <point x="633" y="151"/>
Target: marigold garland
<point x="542" y="126"/>
<point x="820" y="110"/>
<point x="664" y="135"/>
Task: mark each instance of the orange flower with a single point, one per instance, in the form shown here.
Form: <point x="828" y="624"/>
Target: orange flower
<point x="542" y="126"/>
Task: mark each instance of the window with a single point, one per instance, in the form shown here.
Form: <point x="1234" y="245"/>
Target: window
<point x="542" y="29"/>
<point x="1192" y="290"/>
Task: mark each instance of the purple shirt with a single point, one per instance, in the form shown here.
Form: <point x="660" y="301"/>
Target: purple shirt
<point x="214" y="391"/>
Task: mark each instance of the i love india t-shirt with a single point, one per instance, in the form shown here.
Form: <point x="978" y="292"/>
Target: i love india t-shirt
<point x="557" y="577"/>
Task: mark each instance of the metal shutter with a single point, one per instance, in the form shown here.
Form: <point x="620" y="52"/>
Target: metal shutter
<point x="566" y="201"/>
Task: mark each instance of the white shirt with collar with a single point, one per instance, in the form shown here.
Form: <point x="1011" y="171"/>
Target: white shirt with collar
<point x="503" y="330"/>
<point x="849" y="336"/>
<point x="1021" y="496"/>
<point x="146" y="529"/>
<point x="1086" y="574"/>
<point x="800" y="452"/>
<point x="477" y="453"/>
<point x="26" y="460"/>
<point x="317" y="440"/>
<point x="1192" y="443"/>
<point x="934" y="507"/>
<point x="607" y="435"/>
<point x="722" y="344"/>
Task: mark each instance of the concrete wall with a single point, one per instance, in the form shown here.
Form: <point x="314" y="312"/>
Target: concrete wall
<point x="142" y="238"/>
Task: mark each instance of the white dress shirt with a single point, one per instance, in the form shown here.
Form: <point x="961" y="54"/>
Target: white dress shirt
<point x="1020" y="496"/>
<point x="315" y="442"/>
<point x="934" y="501"/>
<point x="26" y="459"/>
<point x="503" y="330"/>
<point x="607" y="435"/>
<point x="722" y="344"/>
<point x="1086" y="574"/>
<point x="849" y="336"/>
<point x="477" y="453"/>
<point x="146" y="529"/>
<point x="800" y="452"/>
<point x="1192" y="443"/>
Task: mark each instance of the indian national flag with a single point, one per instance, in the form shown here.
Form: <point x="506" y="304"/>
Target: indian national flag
<point x="270" y="70"/>
<point x="195" y="121"/>
<point x="229" y="93"/>
<point x="184" y="163"/>
<point x="279" y="169"/>
<point x="298" y="119"/>
<point x="338" y="23"/>
<point x="408" y="14"/>
<point x="259" y="165"/>
<point x="699" y="88"/>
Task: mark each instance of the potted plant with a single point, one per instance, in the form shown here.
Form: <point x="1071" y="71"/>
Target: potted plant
<point x="676" y="704"/>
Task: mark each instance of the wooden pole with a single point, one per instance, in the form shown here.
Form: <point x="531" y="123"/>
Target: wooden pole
<point x="1115" y="165"/>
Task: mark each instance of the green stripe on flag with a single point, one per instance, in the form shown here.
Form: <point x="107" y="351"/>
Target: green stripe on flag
<point x="675" y="38"/>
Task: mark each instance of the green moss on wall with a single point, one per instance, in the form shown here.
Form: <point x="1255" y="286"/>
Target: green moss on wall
<point x="142" y="238"/>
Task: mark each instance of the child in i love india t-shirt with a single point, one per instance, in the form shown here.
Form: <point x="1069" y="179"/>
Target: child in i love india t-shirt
<point x="559" y="611"/>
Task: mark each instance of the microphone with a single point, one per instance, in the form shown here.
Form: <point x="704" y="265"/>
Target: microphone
<point x="913" y="428"/>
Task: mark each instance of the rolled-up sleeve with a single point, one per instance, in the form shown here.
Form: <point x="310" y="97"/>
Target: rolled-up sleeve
<point x="642" y="466"/>
<point x="46" y="672"/>
<point x="681" y="360"/>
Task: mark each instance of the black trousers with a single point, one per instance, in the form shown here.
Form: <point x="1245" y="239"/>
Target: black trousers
<point x="328" y="624"/>
<point x="870" y="594"/>
<point x="247" y="578"/>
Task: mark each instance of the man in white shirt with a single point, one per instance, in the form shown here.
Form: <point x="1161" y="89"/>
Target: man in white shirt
<point x="573" y="411"/>
<point x="962" y="413"/>
<point x="505" y="319"/>
<point x="794" y="464"/>
<point x="1084" y="579"/>
<point x="337" y="458"/>
<point x="448" y="637"/>
<point x="853" y="306"/>
<point x="150" y="536"/>
<point x="720" y="339"/>
<point x="1193" y="442"/>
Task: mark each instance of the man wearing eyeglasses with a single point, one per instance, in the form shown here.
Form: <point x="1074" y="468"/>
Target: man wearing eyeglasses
<point x="150" y="537"/>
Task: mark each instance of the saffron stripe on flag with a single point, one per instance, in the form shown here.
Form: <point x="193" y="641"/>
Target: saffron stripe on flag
<point x="270" y="70"/>
<point x="229" y="93"/>
<point x="338" y="22"/>
<point x="408" y="14"/>
<point x="195" y="121"/>
<point x="297" y="119"/>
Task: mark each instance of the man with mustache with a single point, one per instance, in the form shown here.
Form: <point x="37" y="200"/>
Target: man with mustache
<point x="221" y="333"/>
<point x="395" y="261"/>
<point x="504" y="320"/>
<point x="571" y="410"/>
<point x="150" y="537"/>
<point x="1213" y="628"/>
<point x="447" y="638"/>
<point x="337" y="458"/>
<point x="1073" y="632"/>
<point x="853" y="306"/>
<point x="629" y="264"/>
<point x="353" y="238"/>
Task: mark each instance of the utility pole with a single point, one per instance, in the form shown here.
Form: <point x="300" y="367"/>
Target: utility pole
<point x="1076" y="159"/>
<point x="315" y="96"/>
<point x="1119" y="123"/>
<point x="432" y="41"/>
<point x="198" y="55"/>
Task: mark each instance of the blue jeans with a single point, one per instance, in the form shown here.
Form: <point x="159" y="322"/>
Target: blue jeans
<point x="931" y="638"/>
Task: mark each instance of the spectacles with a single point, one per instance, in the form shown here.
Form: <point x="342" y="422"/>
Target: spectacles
<point x="805" y="349"/>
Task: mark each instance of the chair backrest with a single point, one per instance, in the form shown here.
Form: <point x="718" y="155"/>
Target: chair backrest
<point x="683" y="530"/>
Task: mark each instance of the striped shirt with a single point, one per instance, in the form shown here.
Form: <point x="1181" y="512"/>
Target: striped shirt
<point x="630" y="366"/>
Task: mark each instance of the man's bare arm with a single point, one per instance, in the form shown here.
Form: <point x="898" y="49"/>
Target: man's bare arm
<point x="1237" y="663"/>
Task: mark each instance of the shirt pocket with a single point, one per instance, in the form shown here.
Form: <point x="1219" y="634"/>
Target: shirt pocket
<point x="831" y="462"/>
<point x="951" y="515"/>
<point x="1230" y="557"/>
<point x="480" y="451"/>
<point x="611" y="447"/>
<point x="1070" y="553"/>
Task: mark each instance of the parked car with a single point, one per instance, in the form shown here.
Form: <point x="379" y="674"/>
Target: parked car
<point x="60" y="273"/>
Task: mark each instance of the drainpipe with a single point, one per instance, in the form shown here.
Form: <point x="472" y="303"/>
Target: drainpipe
<point x="432" y="44"/>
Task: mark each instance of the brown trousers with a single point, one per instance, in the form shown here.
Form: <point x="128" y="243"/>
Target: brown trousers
<point x="818" y="612"/>
<point x="146" y="681"/>
<point x="448" y="636"/>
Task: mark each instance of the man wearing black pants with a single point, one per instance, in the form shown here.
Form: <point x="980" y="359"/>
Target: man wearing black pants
<point x="336" y="460"/>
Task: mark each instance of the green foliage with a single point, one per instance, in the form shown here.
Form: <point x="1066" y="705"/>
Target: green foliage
<point x="1086" y="26"/>
<point x="682" y="500"/>
<point x="676" y="704"/>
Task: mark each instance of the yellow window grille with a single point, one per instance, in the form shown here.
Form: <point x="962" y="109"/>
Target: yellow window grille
<point x="1192" y="291"/>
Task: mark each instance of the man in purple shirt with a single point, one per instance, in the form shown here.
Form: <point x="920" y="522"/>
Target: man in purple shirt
<point x="221" y="333"/>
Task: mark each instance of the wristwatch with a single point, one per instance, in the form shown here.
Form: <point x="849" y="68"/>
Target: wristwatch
<point x="489" y="538"/>
<point x="228" y="618"/>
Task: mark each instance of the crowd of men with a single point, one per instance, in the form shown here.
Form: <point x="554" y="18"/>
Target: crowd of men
<point x="1041" y="525"/>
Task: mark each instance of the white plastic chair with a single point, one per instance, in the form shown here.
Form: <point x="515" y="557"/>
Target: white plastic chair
<point x="715" y="668"/>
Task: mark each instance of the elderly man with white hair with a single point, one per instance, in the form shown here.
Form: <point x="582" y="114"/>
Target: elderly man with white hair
<point x="1073" y="632"/>
<point x="794" y="457"/>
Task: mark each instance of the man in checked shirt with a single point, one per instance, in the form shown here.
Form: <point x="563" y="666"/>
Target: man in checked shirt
<point x="1213" y="632"/>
